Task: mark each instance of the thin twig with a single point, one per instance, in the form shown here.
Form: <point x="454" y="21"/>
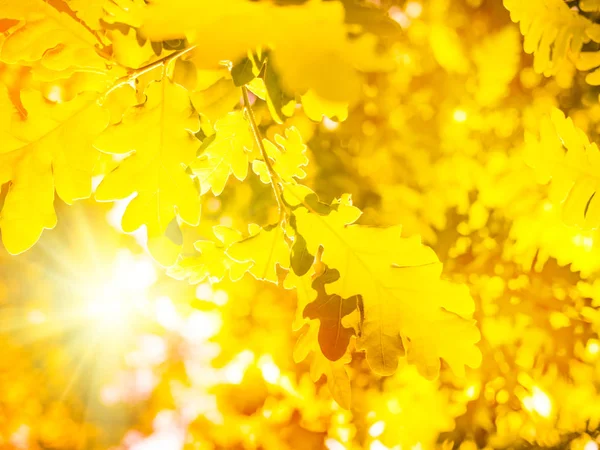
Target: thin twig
<point x="275" y="178"/>
<point x="136" y="73"/>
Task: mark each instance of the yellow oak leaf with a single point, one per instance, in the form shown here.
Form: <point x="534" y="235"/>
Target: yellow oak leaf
<point x="338" y="381"/>
<point x="280" y="103"/>
<point x="48" y="40"/>
<point x="227" y="154"/>
<point x="50" y="150"/>
<point x="305" y="294"/>
<point x="89" y="11"/>
<point x="216" y="101"/>
<point x="212" y="263"/>
<point x="316" y="107"/>
<point x="298" y="194"/>
<point x="257" y="87"/>
<point x="174" y="19"/>
<point x="127" y="51"/>
<point x="266" y="249"/>
<point x="289" y="156"/>
<point x="588" y="61"/>
<point x="118" y="101"/>
<point x="158" y="139"/>
<point x="563" y="156"/>
<point x="322" y="60"/>
<point x="405" y="304"/>
<point x="128" y="12"/>
<point x="336" y="372"/>
<point x="552" y="31"/>
<point x="205" y="78"/>
<point x="8" y="113"/>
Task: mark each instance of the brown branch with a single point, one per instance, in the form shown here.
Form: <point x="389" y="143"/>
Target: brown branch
<point x="132" y="75"/>
<point x="275" y="178"/>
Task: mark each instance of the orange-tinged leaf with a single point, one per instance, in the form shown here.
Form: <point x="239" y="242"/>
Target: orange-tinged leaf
<point x="330" y="309"/>
<point x="405" y="304"/>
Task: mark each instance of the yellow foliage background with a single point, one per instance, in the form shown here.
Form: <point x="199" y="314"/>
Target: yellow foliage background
<point x="308" y="224"/>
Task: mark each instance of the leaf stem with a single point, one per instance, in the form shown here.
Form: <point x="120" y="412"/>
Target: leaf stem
<point x="275" y="178"/>
<point x="136" y="73"/>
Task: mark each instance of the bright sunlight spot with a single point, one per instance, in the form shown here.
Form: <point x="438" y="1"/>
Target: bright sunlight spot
<point x="413" y="9"/>
<point x="333" y="444"/>
<point x="329" y="124"/>
<point x="399" y="16"/>
<point x="593" y="346"/>
<point x="269" y="369"/>
<point x="459" y="115"/>
<point x="107" y="306"/>
<point x="377" y="445"/>
<point x="113" y="302"/>
<point x="586" y="242"/>
<point x="55" y="94"/>
<point x="539" y="402"/>
<point x="377" y="428"/>
<point x="234" y="372"/>
<point x="471" y="391"/>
